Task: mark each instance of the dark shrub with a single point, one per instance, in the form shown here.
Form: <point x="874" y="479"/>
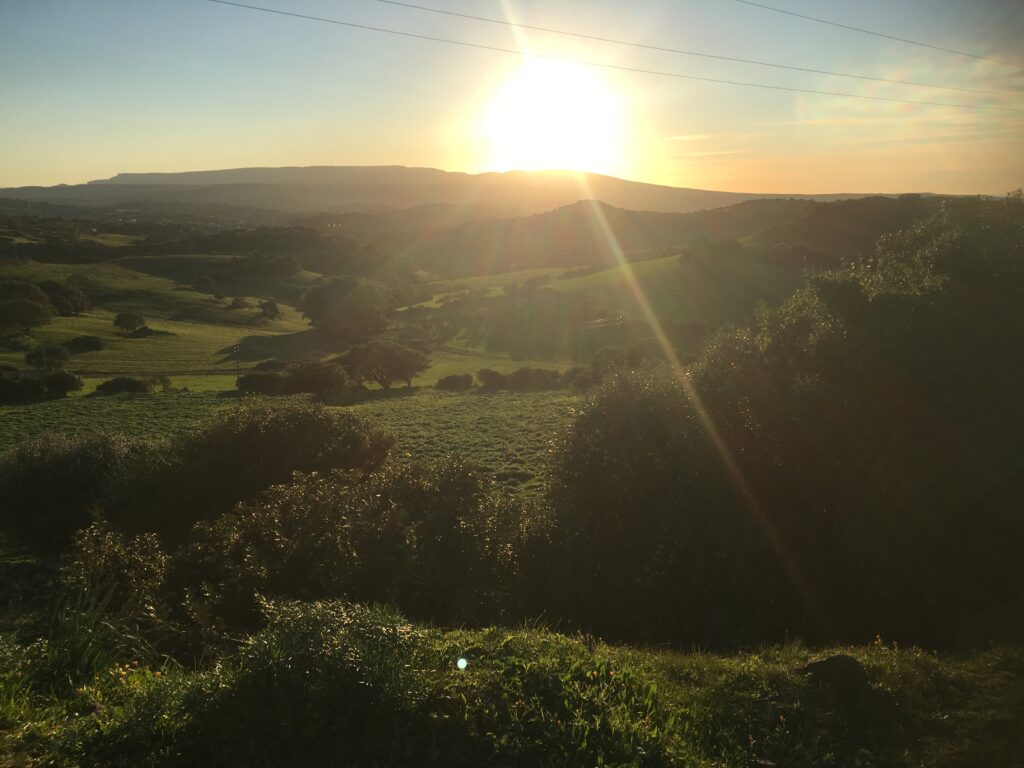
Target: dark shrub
<point x="435" y="539"/>
<point x="528" y="379"/>
<point x="124" y="384"/>
<point x="67" y="300"/>
<point x="128" y="321"/>
<point x="48" y="357"/>
<point x="580" y="377"/>
<point x="51" y="484"/>
<point x="13" y="290"/>
<point x="651" y="539"/>
<point x="262" y="383"/>
<point x="490" y="379"/>
<point x="20" y="387"/>
<point x="245" y="451"/>
<point x="60" y="383"/>
<point x="239" y="302"/>
<point x="384" y="362"/>
<point x="456" y="382"/>
<point x="142" y="332"/>
<point x="203" y="283"/>
<point x="269" y="309"/>
<point x="22" y="315"/>
<point x="609" y="359"/>
<point x="318" y="378"/>
<point x="844" y="465"/>
<point x="81" y="344"/>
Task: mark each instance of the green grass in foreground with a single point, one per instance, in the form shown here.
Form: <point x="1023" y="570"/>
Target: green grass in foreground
<point x="329" y="684"/>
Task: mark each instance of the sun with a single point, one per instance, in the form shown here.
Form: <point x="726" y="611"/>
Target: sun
<point x="555" y="115"/>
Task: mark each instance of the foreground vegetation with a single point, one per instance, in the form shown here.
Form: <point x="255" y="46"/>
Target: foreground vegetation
<point x="783" y="518"/>
<point x="334" y="684"/>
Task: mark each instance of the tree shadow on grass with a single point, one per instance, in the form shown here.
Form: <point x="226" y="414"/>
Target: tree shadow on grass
<point x="302" y="345"/>
<point x="372" y="395"/>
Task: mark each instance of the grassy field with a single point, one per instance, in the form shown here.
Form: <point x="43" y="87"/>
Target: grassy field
<point x="157" y="415"/>
<point x="113" y="239"/>
<point x="509" y="433"/>
<point x="489" y="428"/>
<point x="180" y="346"/>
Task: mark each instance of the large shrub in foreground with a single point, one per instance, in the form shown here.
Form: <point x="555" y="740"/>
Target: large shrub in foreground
<point x="51" y="485"/>
<point x="435" y="539"/>
<point x="844" y="465"/>
<point x="236" y="457"/>
<point x="652" y="539"/>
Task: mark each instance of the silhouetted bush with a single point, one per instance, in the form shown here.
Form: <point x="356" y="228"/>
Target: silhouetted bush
<point x="81" y="344"/>
<point x="833" y="470"/>
<point x="529" y="379"/>
<point x="523" y="379"/>
<point x="23" y="315"/>
<point x="456" y="382"/>
<point x="269" y="309"/>
<point x="262" y="383"/>
<point x="67" y="300"/>
<point x="52" y="484"/>
<point x="124" y="384"/>
<point x="128" y="321"/>
<point x="319" y="378"/>
<point x="250" y="448"/>
<point x="580" y="377"/>
<point x="142" y="332"/>
<point x="490" y="379"/>
<point x="48" y="357"/>
<point x="60" y="383"/>
<point x="384" y="362"/>
<point x="436" y="539"/>
<point x="23" y="387"/>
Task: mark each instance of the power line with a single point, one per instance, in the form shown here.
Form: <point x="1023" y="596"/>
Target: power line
<point x="880" y="34"/>
<point x="619" y="67"/>
<point x="647" y="47"/>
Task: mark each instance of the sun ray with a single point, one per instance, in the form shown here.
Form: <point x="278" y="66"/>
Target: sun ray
<point x="600" y="222"/>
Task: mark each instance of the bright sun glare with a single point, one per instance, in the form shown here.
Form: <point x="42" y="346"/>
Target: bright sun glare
<point x="558" y="115"/>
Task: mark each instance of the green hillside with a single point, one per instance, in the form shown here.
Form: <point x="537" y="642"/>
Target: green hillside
<point x="713" y="292"/>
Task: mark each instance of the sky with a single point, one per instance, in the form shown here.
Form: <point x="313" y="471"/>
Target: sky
<point x="91" y="88"/>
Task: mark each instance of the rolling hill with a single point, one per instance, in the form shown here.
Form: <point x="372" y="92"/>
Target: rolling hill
<point x="587" y="233"/>
<point x="338" y="188"/>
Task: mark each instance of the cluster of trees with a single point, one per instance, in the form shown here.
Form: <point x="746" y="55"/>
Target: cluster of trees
<point x="24" y="305"/>
<point x="324" y="378"/>
<point x="384" y="362"/>
<point x="25" y="387"/>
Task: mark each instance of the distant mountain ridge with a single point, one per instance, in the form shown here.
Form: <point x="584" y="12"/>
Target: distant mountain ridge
<point x="339" y="188"/>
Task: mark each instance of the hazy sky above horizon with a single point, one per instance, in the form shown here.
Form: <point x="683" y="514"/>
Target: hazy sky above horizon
<point x="92" y="88"/>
